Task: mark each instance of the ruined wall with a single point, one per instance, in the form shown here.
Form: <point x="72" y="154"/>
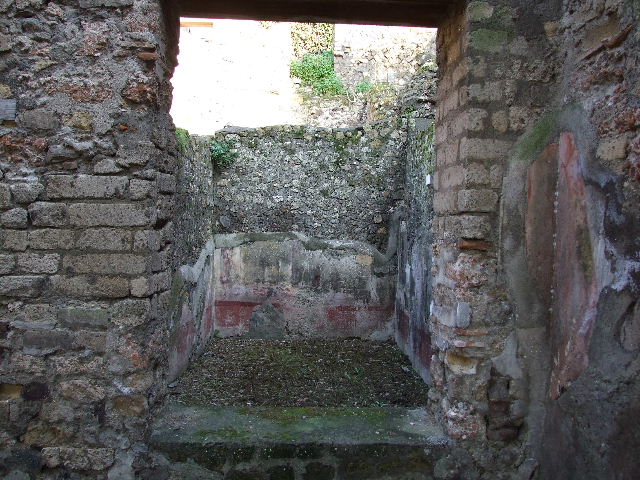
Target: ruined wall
<point x="280" y="285"/>
<point x="86" y="194"/>
<point x="414" y="248"/>
<point x="190" y="307"/>
<point x="328" y="183"/>
<point x="574" y="262"/>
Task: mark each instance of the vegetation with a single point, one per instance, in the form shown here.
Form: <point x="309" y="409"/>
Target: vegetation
<point x="182" y="138"/>
<point x="223" y="153"/>
<point x="317" y="71"/>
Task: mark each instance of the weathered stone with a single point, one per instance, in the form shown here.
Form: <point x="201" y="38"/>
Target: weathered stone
<point x="80" y="120"/>
<point x="78" y="458"/>
<point x="105" y="263"/>
<point x="14" y="218"/>
<point x="90" y="286"/>
<point x="130" y="313"/>
<point x="105" y="239"/>
<point x="110" y="215"/>
<point x="39" y="119"/>
<point x="5" y="196"/>
<point x="85" y="186"/>
<point x="96" y="341"/>
<point x="51" y="239"/>
<point x="139" y="189"/>
<point x="131" y="405"/>
<point x="38" y="263"/>
<point x="7" y="264"/>
<point x="42" y="342"/>
<point x="78" y="318"/>
<point x="21" y="286"/>
<point x="45" y="214"/>
<point x="106" y="166"/>
<point x="26" y="192"/>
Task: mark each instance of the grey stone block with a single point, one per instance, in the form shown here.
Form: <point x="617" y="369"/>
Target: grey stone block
<point x="38" y="263"/>
<point x="105" y="263"/>
<point x="46" y="214"/>
<point x="105" y="239"/>
<point x="77" y="318"/>
<point x="51" y="239"/>
<point x="111" y="215"/>
<point x="85" y="186"/>
<point x="26" y="192"/>
<point x="14" y="218"/>
<point x="21" y="286"/>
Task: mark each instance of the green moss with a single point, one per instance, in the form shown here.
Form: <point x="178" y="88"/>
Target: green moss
<point x="585" y="252"/>
<point x="536" y="139"/>
<point x="227" y="433"/>
<point x="291" y="415"/>
<point x="183" y="139"/>
<point x="488" y="40"/>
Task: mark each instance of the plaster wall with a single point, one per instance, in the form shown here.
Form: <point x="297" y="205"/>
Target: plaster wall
<point x="277" y="285"/>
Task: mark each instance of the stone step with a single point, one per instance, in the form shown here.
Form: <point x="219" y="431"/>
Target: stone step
<point x="315" y="443"/>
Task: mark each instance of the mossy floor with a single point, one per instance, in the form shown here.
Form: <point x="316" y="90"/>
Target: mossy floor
<point x="300" y="373"/>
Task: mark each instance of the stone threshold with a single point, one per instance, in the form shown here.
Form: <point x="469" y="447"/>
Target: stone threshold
<point x="264" y="443"/>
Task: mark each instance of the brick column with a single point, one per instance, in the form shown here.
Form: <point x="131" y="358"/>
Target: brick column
<point x="490" y="66"/>
<point x="86" y="199"/>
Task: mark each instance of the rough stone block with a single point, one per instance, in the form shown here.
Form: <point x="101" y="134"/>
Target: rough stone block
<point x="21" y="286"/>
<point x="91" y="340"/>
<point x="7" y="264"/>
<point x="44" y="342"/>
<point x="105" y="3"/>
<point x="130" y="405"/>
<point x="78" y="458"/>
<point x="130" y="313"/>
<point x="38" y="263"/>
<point x="14" y="218"/>
<point x="146" y="240"/>
<point x="91" y="286"/>
<point x="26" y="192"/>
<point x="111" y="215"/>
<point x="51" y="239"/>
<point x="484" y="149"/>
<point x="5" y="196"/>
<point x="166" y="183"/>
<point x="445" y="202"/>
<point x="477" y="200"/>
<point x="85" y="186"/>
<point x="611" y="149"/>
<point x="79" y="318"/>
<point x="478" y="11"/>
<point x="105" y="239"/>
<point x="450" y="177"/>
<point x="139" y="189"/>
<point x="105" y="263"/>
<point x="46" y="214"/>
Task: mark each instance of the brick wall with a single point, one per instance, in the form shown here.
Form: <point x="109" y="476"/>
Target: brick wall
<point x="87" y="198"/>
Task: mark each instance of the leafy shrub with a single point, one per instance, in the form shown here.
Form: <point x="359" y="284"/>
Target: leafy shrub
<point x="222" y="153"/>
<point x="317" y="71"/>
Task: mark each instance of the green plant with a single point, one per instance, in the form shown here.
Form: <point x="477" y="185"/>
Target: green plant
<point x="223" y="153"/>
<point x="317" y="71"/>
<point x="364" y="86"/>
<point x="182" y="139"/>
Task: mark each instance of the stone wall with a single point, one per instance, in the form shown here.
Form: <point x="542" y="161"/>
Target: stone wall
<point x="328" y="183"/>
<point x="414" y="293"/>
<point x="280" y="285"/>
<point x="573" y="264"/>
<point x="86" y="194"/>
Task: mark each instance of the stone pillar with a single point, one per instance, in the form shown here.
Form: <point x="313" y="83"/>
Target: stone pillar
<point x="86" y="194"/>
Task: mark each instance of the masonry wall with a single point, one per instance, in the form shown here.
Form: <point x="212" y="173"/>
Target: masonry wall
<point x="494" y="80"/>
<point x="327" y="183"/>
<point x="580" y="253"/>
<point x="86" y="194"/>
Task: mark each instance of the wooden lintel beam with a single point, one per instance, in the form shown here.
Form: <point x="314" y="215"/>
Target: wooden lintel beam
<point x="378" y="12"/>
